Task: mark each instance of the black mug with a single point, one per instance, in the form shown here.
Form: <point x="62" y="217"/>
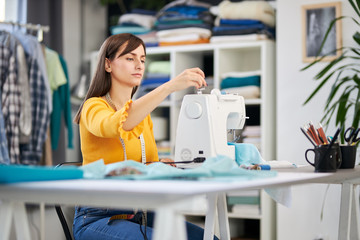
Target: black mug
<point x="326" y="159"/>
<point x="348" y="156"/>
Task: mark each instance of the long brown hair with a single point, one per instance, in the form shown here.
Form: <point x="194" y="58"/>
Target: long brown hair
<point x="101" y="82"/>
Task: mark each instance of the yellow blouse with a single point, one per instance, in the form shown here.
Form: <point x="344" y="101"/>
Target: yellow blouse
<point x="100" y="131"/>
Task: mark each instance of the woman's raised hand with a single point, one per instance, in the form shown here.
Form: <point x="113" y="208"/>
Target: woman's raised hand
<point x="192" y="77"/>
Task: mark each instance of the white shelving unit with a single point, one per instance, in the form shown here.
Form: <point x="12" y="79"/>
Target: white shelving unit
<point x="228" y="57"/>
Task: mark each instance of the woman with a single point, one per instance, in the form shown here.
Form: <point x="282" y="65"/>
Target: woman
<point x="113" y="127"/>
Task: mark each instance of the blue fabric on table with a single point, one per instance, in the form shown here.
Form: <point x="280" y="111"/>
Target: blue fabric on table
<point x="27" y="173"/>
<point x="217" y="168"/>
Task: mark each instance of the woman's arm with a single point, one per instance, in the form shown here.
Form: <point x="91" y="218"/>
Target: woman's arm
<point x="140" y="108"/>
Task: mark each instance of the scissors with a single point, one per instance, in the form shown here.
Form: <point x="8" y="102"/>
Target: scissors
<point x="351" y="135"/>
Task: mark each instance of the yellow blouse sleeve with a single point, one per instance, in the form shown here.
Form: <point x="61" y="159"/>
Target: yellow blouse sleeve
<point x="102" y="120"/>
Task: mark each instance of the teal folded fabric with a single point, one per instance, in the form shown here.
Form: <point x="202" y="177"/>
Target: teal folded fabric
<point x="220" y="168"/>
<point x="247" y="154"/>
<point x="24" y="173"/>
<point x="231" y="82"/>
<point x="128" y="29"/>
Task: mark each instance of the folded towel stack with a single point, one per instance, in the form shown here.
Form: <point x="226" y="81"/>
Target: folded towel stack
<point x="139" y="22"/>
<point x="252" y="135"/>
<point x="246" y="84"/>
<point x="246" y="20"/>
<point x="180" y="23"/>
<point x="158" y="73"/>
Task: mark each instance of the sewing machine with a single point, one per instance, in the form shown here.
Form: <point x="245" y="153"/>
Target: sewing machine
<point x="203" y="123"/>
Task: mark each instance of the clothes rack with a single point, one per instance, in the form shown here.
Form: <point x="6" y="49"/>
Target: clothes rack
<point x="29" y="26"/>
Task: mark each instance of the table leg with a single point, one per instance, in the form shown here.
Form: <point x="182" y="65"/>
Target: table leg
<point x="223" y="217"/>
<point x="355" y="224"/>
<point x="42" y="221"/>
<point x="21" y="221"/>
<point x="169" y="224"/>
<point x="8" y="210"/>
<point x="210" y="216"/>
<point x="217" y="205"/>
<point x="345" y="211"/>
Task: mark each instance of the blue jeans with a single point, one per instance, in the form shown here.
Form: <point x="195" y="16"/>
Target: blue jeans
<point x="93" y="223"/>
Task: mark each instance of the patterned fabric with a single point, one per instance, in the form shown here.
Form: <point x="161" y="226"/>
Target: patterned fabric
<point x="31" y="153"/>
<point x="4" y="153"/>
<point x="10" y="95"/>
<point x="25" y="100"/>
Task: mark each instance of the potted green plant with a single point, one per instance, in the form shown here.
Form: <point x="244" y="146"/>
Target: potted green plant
<point x="343" y="73"/>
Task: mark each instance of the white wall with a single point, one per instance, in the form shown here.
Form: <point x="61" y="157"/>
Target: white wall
<point x="84" y="30"/>
<point x="302" y="220"/>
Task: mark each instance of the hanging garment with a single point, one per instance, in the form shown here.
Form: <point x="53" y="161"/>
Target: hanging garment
<point x="31" y="152"/>
<point x="25" y="100"/>
<point x="10" y="94"/>
<point x="4" y="153"/>
<point x="61" y="106"/>
<point x="33" y="48"/>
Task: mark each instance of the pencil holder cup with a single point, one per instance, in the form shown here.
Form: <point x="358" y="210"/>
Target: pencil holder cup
<point x="348" y="155"/>
<point x="325" y="159"/>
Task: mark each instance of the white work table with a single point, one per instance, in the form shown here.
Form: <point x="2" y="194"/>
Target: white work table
<point x="166" y="198"/>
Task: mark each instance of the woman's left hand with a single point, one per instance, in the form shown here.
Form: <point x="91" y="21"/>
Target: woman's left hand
<point x="168" y="161"/>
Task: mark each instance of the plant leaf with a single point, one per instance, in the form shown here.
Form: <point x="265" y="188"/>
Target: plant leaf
<point x="355" y="7"/>
<point x="341" y="113"/>
<point x="356" y="37"/>
<point x="332" y="23"/>
<point x="335" y="88"/>
<point x="329" y="66"/>
<point x="315" y="91"/>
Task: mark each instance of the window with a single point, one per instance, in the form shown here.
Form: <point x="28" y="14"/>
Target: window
<point x="13" y="11"/>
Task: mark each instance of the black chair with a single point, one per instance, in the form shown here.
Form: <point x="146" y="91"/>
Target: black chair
<point x="58" y="209"/>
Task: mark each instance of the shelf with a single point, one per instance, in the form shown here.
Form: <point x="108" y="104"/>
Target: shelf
<point x="244" y="216"/>
<point x="256" y="101"/>
<point x="205" y="47"/>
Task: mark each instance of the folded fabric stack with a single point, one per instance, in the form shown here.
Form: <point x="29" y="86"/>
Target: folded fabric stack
<point x="139" y="22"/>
<point x="184" y="22"/>
<point x="158" y="73"/>
<point x="164" y="149"/>
<point x="244" y="202"/>
<point x="246" y="84"/>
<point x="246" y="20"/>
<point x="252" y="135"/>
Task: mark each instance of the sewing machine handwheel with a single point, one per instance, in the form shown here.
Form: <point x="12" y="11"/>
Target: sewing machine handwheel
<point x="193" y="110"/>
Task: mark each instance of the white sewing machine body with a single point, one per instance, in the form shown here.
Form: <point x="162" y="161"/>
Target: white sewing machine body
<point x="203" y="123"/>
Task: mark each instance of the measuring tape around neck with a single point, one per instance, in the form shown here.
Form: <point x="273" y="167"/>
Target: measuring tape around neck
<point x="143" y="152"/>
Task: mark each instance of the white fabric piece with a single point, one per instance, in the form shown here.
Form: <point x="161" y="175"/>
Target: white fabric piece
<point x="238" y="38"/>
<point x="240" y="74"/>
<point x="185" y="37"/>
<point x="256" y="10"/>
<point x="204" y="33"/>
<point x="146" y="21"/>
<point x="25" y="107"/>
<point x="248" y="92"/>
